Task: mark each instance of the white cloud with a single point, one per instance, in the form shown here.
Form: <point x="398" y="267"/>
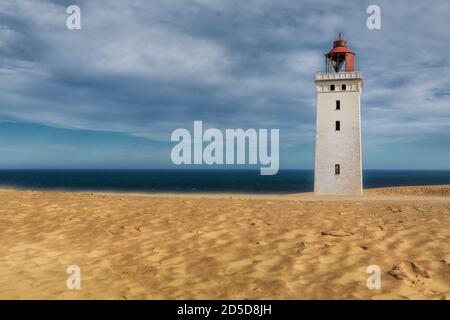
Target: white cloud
<point x="146" y="68"/>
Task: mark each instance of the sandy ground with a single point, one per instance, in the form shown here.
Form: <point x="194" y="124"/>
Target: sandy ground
<point x="225" y="246"/>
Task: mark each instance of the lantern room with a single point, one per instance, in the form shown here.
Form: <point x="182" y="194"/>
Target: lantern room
<point x="340" y="58"/>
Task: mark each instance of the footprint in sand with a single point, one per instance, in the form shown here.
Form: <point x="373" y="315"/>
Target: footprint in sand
<point x="410" y="272"/>
<point x="395" y="210"/>
<point x="127" y="228"/>
<point x="336" y="233"/>
<point x="300" y="247"/>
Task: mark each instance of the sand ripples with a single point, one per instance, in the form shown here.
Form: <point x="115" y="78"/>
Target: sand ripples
<point x="158" y="247"/>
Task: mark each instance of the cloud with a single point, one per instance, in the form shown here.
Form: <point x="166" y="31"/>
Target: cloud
<point x="148" y="67"/>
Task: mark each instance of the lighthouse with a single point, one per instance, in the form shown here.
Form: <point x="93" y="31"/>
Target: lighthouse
<point x="338" y="168"/>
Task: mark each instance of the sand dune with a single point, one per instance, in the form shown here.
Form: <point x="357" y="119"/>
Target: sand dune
<point x="225" y="246"/>
<point x="443" y="191"/>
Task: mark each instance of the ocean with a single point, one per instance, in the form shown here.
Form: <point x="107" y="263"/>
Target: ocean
<point x="210" y="181"/>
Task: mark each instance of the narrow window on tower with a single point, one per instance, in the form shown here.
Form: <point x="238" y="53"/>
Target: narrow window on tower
<point x="338" y="104"/>
<point x="337" y="169"/>
<point x="338" y="126"/>
<point x="332" y="87"/>
<point x="344" y="87"/>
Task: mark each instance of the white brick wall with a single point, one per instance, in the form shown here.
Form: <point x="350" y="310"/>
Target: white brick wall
<point x="338" y="147"/>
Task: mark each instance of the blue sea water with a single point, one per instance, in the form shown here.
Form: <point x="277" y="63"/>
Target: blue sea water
<point x="235" y="181"/>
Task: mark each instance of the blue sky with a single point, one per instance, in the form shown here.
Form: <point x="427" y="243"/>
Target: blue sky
<point x="110" y="95"/>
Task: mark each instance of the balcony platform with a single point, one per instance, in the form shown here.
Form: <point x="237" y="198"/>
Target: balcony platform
<point x="325" y="76"/>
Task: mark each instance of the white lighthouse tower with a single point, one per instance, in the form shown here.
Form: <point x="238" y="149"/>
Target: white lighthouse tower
<point x="338" y="130"/>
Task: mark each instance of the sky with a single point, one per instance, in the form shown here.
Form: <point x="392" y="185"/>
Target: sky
<point x="110" y="94"/>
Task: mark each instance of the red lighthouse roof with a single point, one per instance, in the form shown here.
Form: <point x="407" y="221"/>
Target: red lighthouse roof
<point x="340" y="46"/>
<point x="340" y="58"/>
